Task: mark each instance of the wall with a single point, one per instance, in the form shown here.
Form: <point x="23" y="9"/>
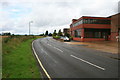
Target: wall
<point x="97" y="26"/>
<point x="88" y="39"/>
<point x="114" y="26"/>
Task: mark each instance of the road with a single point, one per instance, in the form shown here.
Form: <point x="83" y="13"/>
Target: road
<point x="61" y="60"/>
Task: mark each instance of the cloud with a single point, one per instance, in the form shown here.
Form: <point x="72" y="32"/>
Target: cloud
<point x="49" y="14"/>
<point x="15" y="10"/>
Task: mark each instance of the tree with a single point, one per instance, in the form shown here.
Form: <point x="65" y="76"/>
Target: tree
<point x="60" y="33"/>
<point x="50" y="34"/>
<point x="54" y="33"/>
<point x="66" y="34"/>
<point x="42" y="34"/>
<point x="6" y="34"/>
<point x="46" y="33"/>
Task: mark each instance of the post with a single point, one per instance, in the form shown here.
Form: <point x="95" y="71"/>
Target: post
<point x="29" y="26"/>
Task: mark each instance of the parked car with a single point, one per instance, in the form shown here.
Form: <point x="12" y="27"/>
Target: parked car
<point x="65" y="38"/>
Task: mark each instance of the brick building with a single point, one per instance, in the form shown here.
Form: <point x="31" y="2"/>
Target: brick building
<point x="90" y="28"/>
<point x="115" y="27"/>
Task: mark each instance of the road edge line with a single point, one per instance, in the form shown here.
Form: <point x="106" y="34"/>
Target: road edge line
<point x="40" y="63"/>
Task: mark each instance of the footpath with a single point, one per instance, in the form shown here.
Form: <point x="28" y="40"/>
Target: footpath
<point x="105" y="46"/>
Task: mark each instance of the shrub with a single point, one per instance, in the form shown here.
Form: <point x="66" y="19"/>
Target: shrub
<point x="71" y="38"/>
<point x="56" y="37"/>
<point x="12" y="42"/>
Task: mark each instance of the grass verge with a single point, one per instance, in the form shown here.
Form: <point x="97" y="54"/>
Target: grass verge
<point x="19" y="62"/>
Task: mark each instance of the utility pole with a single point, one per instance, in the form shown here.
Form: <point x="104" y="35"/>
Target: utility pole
<point x="30" y="25"/>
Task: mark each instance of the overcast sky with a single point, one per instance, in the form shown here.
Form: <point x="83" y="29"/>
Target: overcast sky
<point x="49" y="14"/>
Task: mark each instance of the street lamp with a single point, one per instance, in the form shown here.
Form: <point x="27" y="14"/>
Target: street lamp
<point x="29" y="26"/>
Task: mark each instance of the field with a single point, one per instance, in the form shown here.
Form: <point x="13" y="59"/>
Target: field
<point x="18" y="60"/>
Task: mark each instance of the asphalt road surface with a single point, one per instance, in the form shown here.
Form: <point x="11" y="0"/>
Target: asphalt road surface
<point x="61" y="60"/>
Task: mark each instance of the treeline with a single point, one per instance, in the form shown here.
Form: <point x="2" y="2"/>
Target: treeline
<point x="6" y="34"/>
<point x="55" y="33"/>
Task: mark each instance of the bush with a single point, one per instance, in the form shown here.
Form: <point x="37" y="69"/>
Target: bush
<point x="56" y="37"/>
<point x="12" y="42"/>
<point x="71" y="38"/>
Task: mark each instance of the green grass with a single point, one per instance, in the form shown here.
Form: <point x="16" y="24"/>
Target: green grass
<point x="56" y="37"/>
<point x="20" y="61"/>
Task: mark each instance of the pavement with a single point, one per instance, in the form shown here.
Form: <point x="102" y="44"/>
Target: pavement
<point x="105" y="46"/>
<point x="61" y="60"/>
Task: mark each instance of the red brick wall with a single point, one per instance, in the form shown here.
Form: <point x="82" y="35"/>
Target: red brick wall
<point x="77" y="39"/>
<point x="89" y="39"/>
<point x="100" y="26"/>
<point x="113" y="36"/>
<point x="94" y="39"/>
<point x="114" y="26"/>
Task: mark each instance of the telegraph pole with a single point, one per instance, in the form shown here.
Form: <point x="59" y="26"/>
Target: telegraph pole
<point x="30" y="25"/>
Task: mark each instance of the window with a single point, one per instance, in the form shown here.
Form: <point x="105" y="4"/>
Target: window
<point x="97" y="34"/>
<point x="96" y="21"/>
<point x="92" y="21"/>
<point x="77" y="33"/>
<point x="78" y="23"/>
<point x="88" y="21"/>
<point x="71" y="25"/>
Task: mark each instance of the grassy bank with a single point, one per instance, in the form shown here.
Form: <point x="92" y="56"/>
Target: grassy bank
<point x="18" y="60"/>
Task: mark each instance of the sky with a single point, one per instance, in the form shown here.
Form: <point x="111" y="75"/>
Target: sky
<point x="50" y="15"/>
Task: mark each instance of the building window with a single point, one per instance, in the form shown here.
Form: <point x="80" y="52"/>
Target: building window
<point x="96" y="21"/>
<point x="91" y="21"/>
<point x="78" y="23"/>
<point x="77" y="33"/>
<point x="96" y="33"/>
<point x="71" y="25"/>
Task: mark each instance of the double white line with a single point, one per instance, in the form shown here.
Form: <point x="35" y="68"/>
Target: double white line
<point x="40" y="63"/>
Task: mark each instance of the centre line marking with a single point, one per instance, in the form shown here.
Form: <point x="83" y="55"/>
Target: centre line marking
<point x="88" y="62"/>
<point x="58" y="49"/>
<point x="49" y="44"/>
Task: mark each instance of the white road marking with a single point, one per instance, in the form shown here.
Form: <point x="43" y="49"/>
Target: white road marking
<point x="40" y="63"/>
<point x="49" y="45"/>
<point x="48" y="55"/>
<point x="88" y="62"/>
<point x="44" y="51"/>
<point x="58" y="49"/>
